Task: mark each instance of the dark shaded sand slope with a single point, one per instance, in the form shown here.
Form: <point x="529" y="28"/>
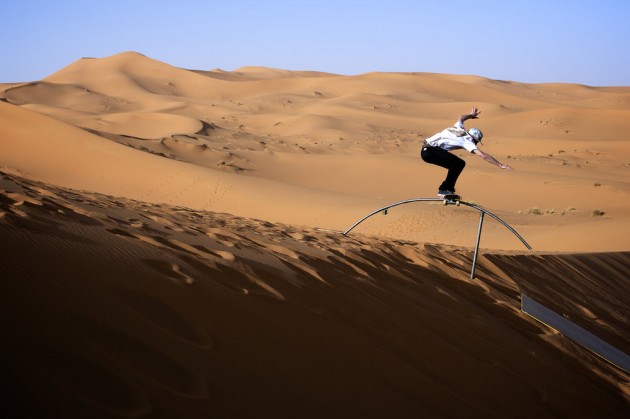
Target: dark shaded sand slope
<point x="118" y="308"/>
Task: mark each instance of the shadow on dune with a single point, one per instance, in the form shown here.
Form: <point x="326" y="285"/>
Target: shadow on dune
<point x="163" y="312"/>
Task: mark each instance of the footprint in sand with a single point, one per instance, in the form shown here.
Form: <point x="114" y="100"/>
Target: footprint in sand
<point x="25" y="204"/>
<point x="11" y="203"/>
<point x="224" y="237"/>
<point x="165" y="222"/>
<point x="228" y="256"/>
<point x="170" y="270"/>
<point x="20" y="199"/>
<point x="173" y="244"/>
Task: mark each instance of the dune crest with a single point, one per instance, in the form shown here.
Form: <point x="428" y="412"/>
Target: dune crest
<point x="255" y="128"/>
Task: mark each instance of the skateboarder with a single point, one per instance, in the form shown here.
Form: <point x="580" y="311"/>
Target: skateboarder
<point x="436" y="150"/>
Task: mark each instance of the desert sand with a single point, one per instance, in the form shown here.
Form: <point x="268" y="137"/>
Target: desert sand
<point x="171" y="245"/>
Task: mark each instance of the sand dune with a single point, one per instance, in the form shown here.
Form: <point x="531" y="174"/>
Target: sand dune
<point x="119" y="308"/>
<point x="171" y="245"/>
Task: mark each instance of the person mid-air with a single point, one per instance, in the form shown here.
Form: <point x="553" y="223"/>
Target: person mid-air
<point x="436" y="150"/>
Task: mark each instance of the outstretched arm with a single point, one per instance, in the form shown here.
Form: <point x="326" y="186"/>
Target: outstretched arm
<point x="474" y="113"/>
<point x="487" y="157"/>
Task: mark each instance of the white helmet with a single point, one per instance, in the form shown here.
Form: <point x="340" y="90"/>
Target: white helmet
<point x="476" y="134"/>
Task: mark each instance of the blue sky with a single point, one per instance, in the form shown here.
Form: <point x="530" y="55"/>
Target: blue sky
<point x="532" y="41"/>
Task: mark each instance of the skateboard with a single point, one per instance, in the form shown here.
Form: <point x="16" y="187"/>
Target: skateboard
<point x="451" y="199"/>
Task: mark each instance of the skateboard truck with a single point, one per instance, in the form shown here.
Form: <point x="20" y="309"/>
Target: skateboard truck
<point x="451" y="199"/>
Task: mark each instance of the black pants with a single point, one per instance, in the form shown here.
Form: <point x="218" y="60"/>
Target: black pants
<point x="439" y="157"/>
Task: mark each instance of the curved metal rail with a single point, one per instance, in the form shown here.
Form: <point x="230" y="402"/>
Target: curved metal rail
<point x="384" y="209"/>
<point x="482" y="212"/>
<point x="506" y="225"/>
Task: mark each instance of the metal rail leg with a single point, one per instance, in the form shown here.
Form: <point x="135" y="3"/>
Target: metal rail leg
<point x="474" y="262"/>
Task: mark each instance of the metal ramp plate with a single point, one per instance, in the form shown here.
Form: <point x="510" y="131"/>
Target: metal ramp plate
<point x="575" y="333"/>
